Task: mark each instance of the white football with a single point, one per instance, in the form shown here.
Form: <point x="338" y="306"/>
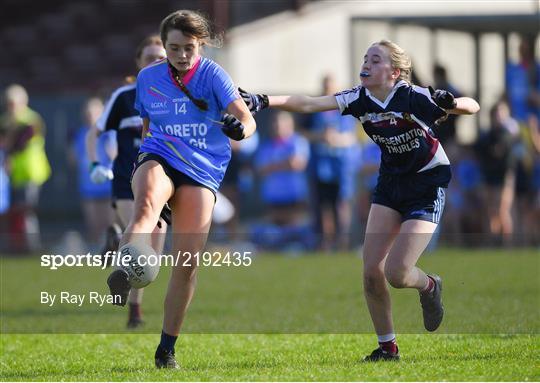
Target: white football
<point x="141" y="263"/>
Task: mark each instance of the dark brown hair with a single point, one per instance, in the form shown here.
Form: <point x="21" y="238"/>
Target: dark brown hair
<point x="194" y="24"/>
<point x="190" y="23"/>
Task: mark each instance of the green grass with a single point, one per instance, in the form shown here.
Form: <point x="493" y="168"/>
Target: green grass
<point x="279" y="319"/>
<point x="221" y="357"/>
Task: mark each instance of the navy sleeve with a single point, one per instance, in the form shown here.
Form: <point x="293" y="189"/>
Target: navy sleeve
<point x="110" y="119"/>
<point x="423" y="106"/>
<point x="346" y="98"/>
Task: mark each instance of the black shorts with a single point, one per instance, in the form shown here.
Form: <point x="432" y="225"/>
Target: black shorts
<point x="418" y="196"/>
<point x="327" y="193"/>
<point x="177" y="177"/>
<point x="121" y="188"/>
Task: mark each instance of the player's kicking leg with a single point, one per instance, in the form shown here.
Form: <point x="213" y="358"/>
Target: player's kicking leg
<point x="152" y="188"/>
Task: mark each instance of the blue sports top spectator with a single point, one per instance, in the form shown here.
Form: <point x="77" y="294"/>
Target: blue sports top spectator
<point x="334" y="163"/>
<point x="518" y="87"/>
<point x="281" y="161"/>
<point x="4" y="184"/>
<point x="522" y="81"/>
<point x="371" y="158"/>
<point x="87" y="188"/>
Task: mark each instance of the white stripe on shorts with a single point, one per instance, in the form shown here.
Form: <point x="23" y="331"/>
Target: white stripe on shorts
<point x="439" y="205"/>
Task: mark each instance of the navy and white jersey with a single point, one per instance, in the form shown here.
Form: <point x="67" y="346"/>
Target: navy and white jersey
<point x="120" y="115"/>
<point x="401" y="126"/>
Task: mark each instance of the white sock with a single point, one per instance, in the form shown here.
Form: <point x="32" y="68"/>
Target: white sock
<point x="386" y="337"/>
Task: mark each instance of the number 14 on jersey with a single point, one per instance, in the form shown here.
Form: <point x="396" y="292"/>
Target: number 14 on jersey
<point x="180" y="108"/>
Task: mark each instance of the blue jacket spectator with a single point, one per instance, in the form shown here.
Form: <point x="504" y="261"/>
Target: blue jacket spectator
<point x="88" y="189"/>
<point x="281" y="162"/>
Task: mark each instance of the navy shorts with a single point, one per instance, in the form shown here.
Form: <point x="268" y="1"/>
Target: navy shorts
<point x="121" y="188"/>
<point x="417" y="196"/>
<point x="177" y="177"/>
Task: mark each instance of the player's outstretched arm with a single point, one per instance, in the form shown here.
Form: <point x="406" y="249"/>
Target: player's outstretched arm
<point x="300" y="104"/>
<point x="465" y="105"/>
<point x="303" y="104"/>
<point x="452" y="105"/>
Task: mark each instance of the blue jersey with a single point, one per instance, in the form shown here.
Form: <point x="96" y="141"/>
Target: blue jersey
<point x="87" y="188"/>
<point x="333" y="164"/>
<point x="401" y="126"/>
<point x="371" y="156"/>
<point x="189" y="139"/>
<point x="284" y="186"/>
<point x="519" y="84"/>
<point x="332" y="119"/>
<point x="4" y="184"/>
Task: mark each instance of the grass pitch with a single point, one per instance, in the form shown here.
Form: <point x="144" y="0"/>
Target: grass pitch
<point x="280" y="319"/>
<point x="287" y="357"/>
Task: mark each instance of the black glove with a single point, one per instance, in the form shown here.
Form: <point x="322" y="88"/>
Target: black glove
<point x="232" y="127"/>
<point x="443" y="98"/>
<point x="254" y="102"/>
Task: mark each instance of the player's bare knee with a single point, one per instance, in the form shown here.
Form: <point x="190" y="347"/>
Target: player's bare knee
<point x="396" y="276"/>
<point x="144" y="210"/>
<point x="193" y="244"/>
<point x="185" y="271"/>
<point x="373" y="281"/>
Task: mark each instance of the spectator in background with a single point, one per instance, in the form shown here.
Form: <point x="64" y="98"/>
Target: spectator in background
<point x="334" y="153"/>
<point x="445" y="131"/>
<point x="281" y="162"/>
<point x="95" y="198"/>
<point x="464" y="201"/>
<point x="415" y="79"/>
<point x="497" y="164"/>
<point x="24" y="132"/>
<point x="535" y="138"/>
<point x="523" y="83"/>
<point x="369" y="173"/>
<point x="238" y="180"/>
<point x="469" y="178"/>
<point x="523" y="92"/>
<point x="4" y="190"/>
